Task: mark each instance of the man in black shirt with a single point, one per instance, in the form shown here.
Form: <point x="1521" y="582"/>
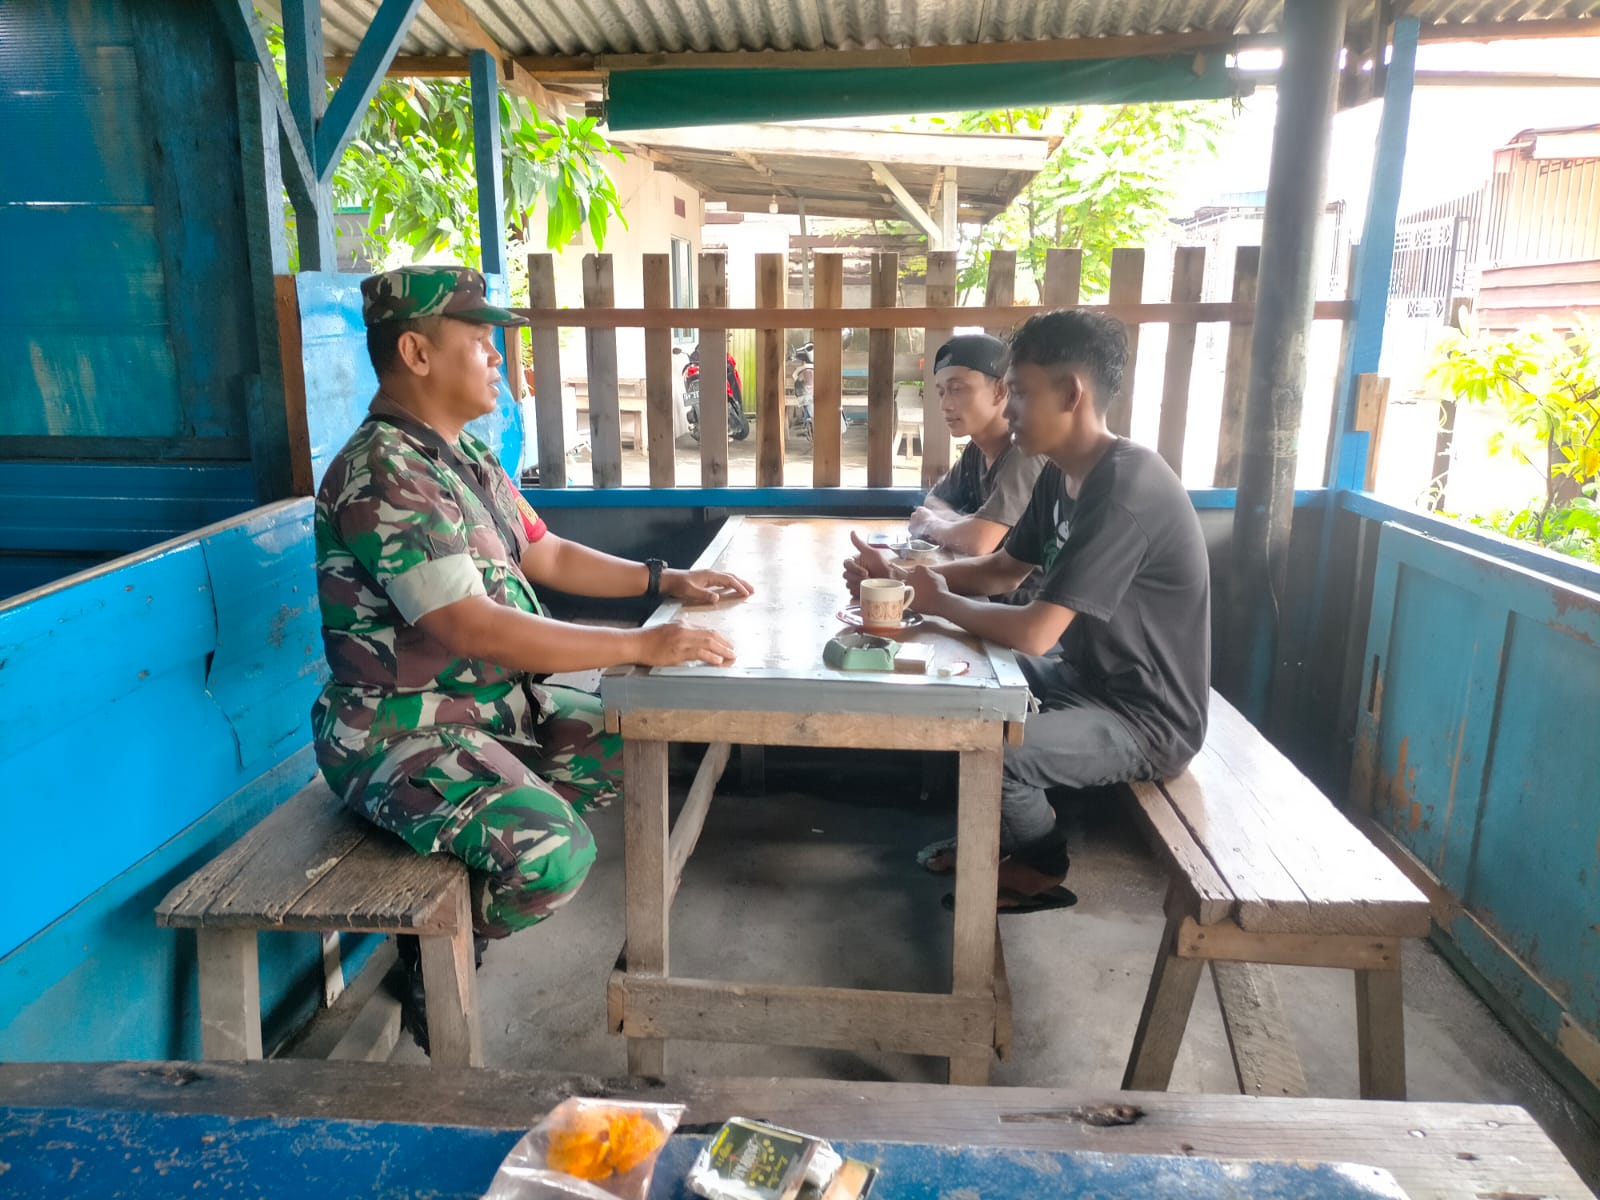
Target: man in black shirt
<point x="972" y="509"/>
<point x="1125" y="594"/>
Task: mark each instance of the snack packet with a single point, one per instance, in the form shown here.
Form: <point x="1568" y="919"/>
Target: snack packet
<point x="750" y="1160"/>
<point x="597" y="1149"/>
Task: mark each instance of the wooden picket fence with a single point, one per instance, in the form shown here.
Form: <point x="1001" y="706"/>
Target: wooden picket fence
<point x="825" y="322"/>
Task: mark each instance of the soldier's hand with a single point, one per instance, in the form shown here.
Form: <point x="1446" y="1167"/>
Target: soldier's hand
<point x="674" y="642"/>
<point x="703" y="587"/>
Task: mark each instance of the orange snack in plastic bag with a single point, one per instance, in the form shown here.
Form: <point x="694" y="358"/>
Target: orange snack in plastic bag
<point x="594" y="1143"/>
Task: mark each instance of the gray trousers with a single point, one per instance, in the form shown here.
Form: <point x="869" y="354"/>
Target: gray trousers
<point x="1076" y="741"/>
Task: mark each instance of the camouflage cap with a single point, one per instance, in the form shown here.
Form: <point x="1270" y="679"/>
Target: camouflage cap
<point x="410" y="293"/>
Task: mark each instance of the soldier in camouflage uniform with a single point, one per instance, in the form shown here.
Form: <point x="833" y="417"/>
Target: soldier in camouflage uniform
<point x="434" y="724"/>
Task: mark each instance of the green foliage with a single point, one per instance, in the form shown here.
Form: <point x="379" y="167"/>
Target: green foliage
<point x="411" y="165"/>
<point x="1107" y="183"/>
<point x="1547" y="383"/>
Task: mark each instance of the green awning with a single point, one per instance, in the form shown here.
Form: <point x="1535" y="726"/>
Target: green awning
<point x="662" y="99"/>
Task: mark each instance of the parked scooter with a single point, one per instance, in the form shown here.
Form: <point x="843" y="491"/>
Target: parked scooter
<point x="802" y="385"/>
<point x="738" y="423"/>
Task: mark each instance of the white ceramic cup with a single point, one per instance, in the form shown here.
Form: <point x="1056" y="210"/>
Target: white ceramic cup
<point x="883" y="602"/>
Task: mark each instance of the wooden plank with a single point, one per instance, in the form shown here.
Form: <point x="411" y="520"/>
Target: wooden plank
<point x="692" y="816"/>
<point x="916" y="316"/>
<point x="841" y="731"/>
<point x="1381" y="1034"/>
<point x="1345" y="881"/>
<point x="545" y="343"/>
<point x="1000" y="292"/>
<point x="978" y="832"/>
<point x="1165" y="1015"/>
<point x="1213" y="899"/>
<point x="827" y="395"/>
<point x="449" y="981"/>
<point x="1264" y="1057"/>
<point x="658" y="370"/>
<point x="943" y="269"/>
<point x="230" y="994"/>
<point x="261" y="876"/>
<point x="1127" y="287"/>
<point x="713" y="368"/>
<point x="286" y="303"/>
<point x="1188" y="282"/>
<point x="772" y="275"/>
<point x="880" y="375"/>
<point x="1063" y="278"/>
<point x="605" y="422"/>
<point x="1236" y="371"/>
<point x="1229" y="943"/>
<point x="785" y="1015"/>
<point x="381" y="885"/>
<point x="1372" y="404"/>
<point x="648" y="882"/>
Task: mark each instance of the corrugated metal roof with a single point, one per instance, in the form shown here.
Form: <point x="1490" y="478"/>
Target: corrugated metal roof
<point x="573" y="27"/>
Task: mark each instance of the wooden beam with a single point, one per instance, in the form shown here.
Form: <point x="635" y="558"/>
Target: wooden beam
<point x="897" y="148"/>
<point x="1042" y="50"/>
<point x="908" y="205"/>
<point x="486" y="165"/>
<point x="910" y="317"/>
<point x="458" y="18"/>
<point x="249" y="43"/>
<point x="378" y="47"/>
<point x="1494" y="31"/>
<point x="416" y="66"/>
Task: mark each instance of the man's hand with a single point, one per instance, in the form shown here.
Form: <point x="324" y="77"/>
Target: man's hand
<point x="703" y="587"/>
<point x="919" y="521"/>
<point x="870" y="562"/>
<point x="929" y="590"/>
<point x="674" y="642"/>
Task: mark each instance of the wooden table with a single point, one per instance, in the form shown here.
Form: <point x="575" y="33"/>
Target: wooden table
<point x="780" y="694"/>
<point x="1435" y="1151"/>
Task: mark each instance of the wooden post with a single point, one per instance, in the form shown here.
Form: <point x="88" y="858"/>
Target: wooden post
<point x="978" y="832"/>
<point x="546" y="350"/>
<point x="1165" y="1016"/>
<point x="605" y="421"/>
<point x="880" y="375"/>
<point x="1188" y="281"/>
<point x="230" y="994"/>
<point x="1372" y="403"/>
<point x="942" y="270"/>
<point x="485" y="74"/>
<point x="286" y="300"/>
<point x="713" y="375"/>
<point x="1063" y="278"/>
<point x="1001" y="289"/>
<point x="658" y="375"/>
<point x="1127" y="287"/>
<point x="1264" y="512"/>
<point x="771" y="276"/>
<point x="450" y="986"/>
<point x="827" y="375"/>
<point x="1236" y="372"/>
<point x="1380" y="1034"/>
<point x="648" y="882"/>
<point x="307" y="87"/>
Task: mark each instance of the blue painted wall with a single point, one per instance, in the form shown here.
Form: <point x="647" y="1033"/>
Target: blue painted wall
<point x="339" y="379"/>
<point x="155" y="710"/>
<point x="126" y="319"/>
<point x="1476" y="748"/>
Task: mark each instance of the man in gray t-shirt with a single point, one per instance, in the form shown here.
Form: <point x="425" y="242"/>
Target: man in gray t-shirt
<point x="980" y="498"/>
<point x="1126" y="595"/>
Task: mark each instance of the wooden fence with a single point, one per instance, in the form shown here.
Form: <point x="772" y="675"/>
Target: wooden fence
<point x="825" y="323"/>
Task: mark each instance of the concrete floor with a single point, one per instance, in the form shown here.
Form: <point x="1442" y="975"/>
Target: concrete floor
<point x="815" y="882"/>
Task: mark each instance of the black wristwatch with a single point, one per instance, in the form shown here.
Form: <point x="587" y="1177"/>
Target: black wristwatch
<point x="655" y="566"/>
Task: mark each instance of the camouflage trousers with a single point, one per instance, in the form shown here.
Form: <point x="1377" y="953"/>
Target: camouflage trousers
<point x="510" y="812"/>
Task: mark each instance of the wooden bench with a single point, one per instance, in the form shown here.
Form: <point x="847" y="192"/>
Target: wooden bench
<point x="312" y="865"/>
<point x="1265" y="870"/>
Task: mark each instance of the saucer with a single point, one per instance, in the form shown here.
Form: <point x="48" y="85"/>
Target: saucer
<point x="851" y="616"/>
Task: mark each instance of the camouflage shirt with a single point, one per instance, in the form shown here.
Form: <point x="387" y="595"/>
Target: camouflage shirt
<point x="399" y="534"/>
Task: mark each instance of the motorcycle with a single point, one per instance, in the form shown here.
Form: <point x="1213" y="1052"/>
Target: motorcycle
<point x="738" y="423"/>
<point x="801" y="384"/>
